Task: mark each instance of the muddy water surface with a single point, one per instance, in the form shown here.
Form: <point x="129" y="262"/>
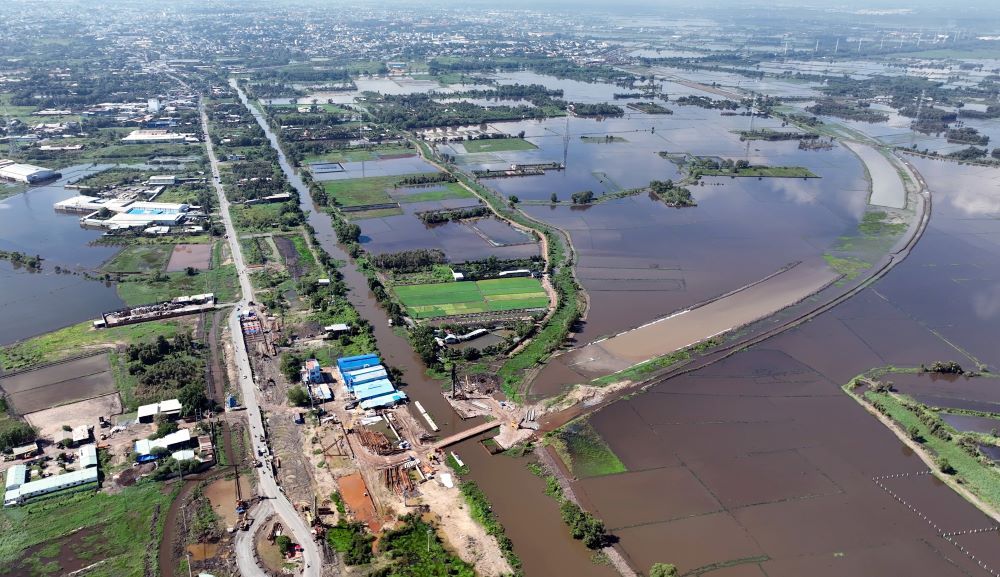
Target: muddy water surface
<point x="788" y="468"/>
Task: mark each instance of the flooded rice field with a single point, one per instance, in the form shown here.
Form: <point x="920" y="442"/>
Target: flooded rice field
<point x="404" y="164"/>
<point x="657" y="259"/>
<point x="821" y="483"/>
<point x="971" y="422"/>
<point x="460" y="240"/>
<point x="32" y="303"/>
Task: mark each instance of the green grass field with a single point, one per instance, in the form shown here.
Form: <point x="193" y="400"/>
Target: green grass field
<point x="498" y="145"/>
<point x="585" y="452"/>
<point x="361" y="191"/>
<point x="222" y="281"/>
<point x="255" y="218"/>
<point x="761" y="172"/>
<point x="141" y="259"/>
<point x="119" y="528"/>
<point x="359" y="154"/>
<point x="452" y="190"/>
<point x="72" y="340"/>
<point x="460" y="298"/>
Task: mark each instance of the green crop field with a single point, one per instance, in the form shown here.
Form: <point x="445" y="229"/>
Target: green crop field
<point x="498" y="145"/>
<point x="140" y="259"/>
<point x="451" y="190"/>
<point x="361" y="191"/>
<point x="460" y="298"/>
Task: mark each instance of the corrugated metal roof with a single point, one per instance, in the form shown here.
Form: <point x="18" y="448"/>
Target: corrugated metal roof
<point x="184" y="455"/>
<point x="357" y="380"/>
<point x="51" y="484"/>
<point x="373" y="389"/>
<point x="383" y="401"/>
<point x="16" y="476"/>
<point x="88" y="456"/>
<point x="146" y="446"/>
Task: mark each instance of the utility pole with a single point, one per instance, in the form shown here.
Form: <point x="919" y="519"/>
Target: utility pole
<point x="186" y="551"/>
<point x="566" y="143"/>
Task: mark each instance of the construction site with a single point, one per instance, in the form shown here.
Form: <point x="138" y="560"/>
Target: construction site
<point x="365" y="443"/>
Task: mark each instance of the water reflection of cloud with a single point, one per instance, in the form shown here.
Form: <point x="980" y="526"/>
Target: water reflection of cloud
<point x="796" y="191"/>
<point x="974" y="201"/>
<point x="986" y="303"/>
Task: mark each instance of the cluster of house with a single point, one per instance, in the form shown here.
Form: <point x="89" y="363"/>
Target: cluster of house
<point x="312" y="377"/>
<point x="178" y="445"/>
<point x="20" y="489"/>
<point x="368" y="382"/>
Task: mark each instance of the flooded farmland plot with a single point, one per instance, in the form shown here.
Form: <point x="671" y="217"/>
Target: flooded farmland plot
<point x="794" y="477"/>
<point x="460" y="240"/>
<point x="662" y="259"/>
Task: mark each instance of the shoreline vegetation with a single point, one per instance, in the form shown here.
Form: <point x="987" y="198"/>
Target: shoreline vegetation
<point x="952" y="456"/>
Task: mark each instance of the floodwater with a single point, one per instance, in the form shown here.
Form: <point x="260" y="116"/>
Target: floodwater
<point x="685" y="328"/>
<point x="772" y="467"/>
<point x="34" y="303"/>
<point x="887" y="188"/>
<point x="639" y="259"/>
<point x="965" y="423"/>
<point x="772" y="417"/>
<point x="458" y="240"/>
<point x="380" y="167"/>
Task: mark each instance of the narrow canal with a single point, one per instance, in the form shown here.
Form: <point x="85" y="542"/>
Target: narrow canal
<point x="530" y="517"/>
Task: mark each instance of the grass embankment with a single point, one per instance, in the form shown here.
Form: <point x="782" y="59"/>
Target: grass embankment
<point x="603" y="139"/>
<point x="582" y="525"/>
<point x="758" y="171"/>
<point x="482" y="512"/>
<point x="976" y="472"/>
<point x="76" y="339"/>
<point x="458" y="298"/>
<point x="497" y="145"/>
<point x="363" y="191"/>
<point x="645" y="369"/>
<point x="583" y="451"/>
<point x="116" y="529"/>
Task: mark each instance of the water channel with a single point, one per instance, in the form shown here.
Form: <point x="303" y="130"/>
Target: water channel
<point x="530" y="517"/>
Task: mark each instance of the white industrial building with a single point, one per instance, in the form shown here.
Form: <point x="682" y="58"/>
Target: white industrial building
<point x="26" y="173"/>
<point x="128" y="213"/>
<point x="19" y="489"/>
<point x="169" y="442"/>
<point x="170" y="408"/>
<point x="157" y="136"/>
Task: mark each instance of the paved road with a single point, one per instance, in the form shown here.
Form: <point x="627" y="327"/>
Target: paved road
<point x="266" y="485"/>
